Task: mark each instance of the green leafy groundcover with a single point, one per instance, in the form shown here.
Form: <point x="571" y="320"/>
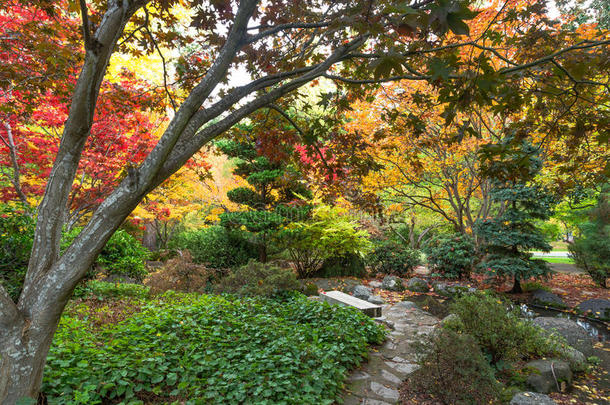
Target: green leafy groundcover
<point x="210" y="349"/>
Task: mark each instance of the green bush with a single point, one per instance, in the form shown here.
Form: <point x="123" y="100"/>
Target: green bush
<point x="212" y="350"/>
<point x="331" y="232"/>
<point x="348" y="265"/>
<point x="451" y="256"/>
<point x="591" y="251"/>
<point x="309" y="289"/>
<point x="530" y="286"/>
<point x="123" y="255"/>
<point x="257" y="278"/>
<point x="454" y="370"/>
<point x="389" y="257"/>
<point x="104" y="290"/>
<point x="16" y="238"/>
<point x="499" y="330"/>
<point x="216" y="246"/>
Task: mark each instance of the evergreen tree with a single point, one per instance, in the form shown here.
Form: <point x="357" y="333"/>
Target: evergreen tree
<point x="591" y="250"/>
<point x="273" y="185"/>
<point x="508" y="238"/>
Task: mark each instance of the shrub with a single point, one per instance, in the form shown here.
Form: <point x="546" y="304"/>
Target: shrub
<point x="451" y="256"/>
<point x="212" y="350"/>
<point x="348" y="265"/>
<point x="124" y="255"/>
<point x="389" y="257"/>
<point x="454" y="370"/>
<point x="499" y="330"/>
<point x="16" y="238"/>
<point x="104" y="290"/>
<point x="258" y="279"/>
<point x="591" y="251"/>
<point x="310" y="289"/>
<point x="179" y="274"/>
<point x="329" y="233"/>
<point x="216" y="246"/>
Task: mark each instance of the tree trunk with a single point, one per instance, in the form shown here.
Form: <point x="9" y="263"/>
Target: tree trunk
<point x="22" y="360"/>
<point x="150" y="237"/>
<point x="516" y="287"/>
<point x="262" y="253"/>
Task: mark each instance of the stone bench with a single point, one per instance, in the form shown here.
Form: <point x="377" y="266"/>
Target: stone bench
<point x="337" y="297"/>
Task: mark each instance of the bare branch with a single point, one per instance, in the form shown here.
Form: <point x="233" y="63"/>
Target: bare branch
<point x="549" y="58"/>
<point x="283" y="27"/>
<point x="85" y="17"/>
<point x="152" y="38"/>
<point x="372" y="81"/>
<point x="294" y="124"/>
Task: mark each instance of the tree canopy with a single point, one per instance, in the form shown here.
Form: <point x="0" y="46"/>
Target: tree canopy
<point x="70" y="71"/>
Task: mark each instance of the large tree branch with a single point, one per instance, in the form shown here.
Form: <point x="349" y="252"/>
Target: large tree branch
<point x="284" y="27"/>
<point x="8" y="309"/>
<point x="186" y="120"/>
<point x="56" y="284"/>
<point x="550" y="57"/>
<point x="52" y="210"/>
<point x="189" y="146"/>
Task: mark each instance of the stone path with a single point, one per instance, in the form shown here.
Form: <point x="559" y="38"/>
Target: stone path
<point x="378" y="380"/>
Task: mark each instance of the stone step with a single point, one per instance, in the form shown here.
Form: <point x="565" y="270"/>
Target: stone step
<point x="340" y="298"/>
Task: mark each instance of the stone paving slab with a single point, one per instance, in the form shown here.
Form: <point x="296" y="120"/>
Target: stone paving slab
<point x="377" y="382"/>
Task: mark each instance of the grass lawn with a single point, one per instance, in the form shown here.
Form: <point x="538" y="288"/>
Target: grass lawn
<point x="557" y="260"/>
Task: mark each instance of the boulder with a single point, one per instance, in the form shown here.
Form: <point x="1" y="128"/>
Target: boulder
<point x="447" y="290"/>
<point x="375" y="284"/>
<point x="549" y="376"/>
<point x="376" y="299"/>
<point x="542" y="297"/>
<point x="575" y="358"/>
<point x="384" y="321"/>
<point x="451" y="318"/>
<point x="442" y="288"/>
<point x="599" y="307"/>
<point x="406" y="305"/>
<point x="573" y="333"/>
<point x="417" y="285"/>
<point x="392" y="283"/>
<point x="531" y="398"/>
<point x="362" y="292"/>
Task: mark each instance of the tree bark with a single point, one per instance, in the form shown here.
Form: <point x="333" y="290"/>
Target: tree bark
<point x="22" y="359"/>
<point x="149" y="240"/>
<point x="516" y="286"/>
